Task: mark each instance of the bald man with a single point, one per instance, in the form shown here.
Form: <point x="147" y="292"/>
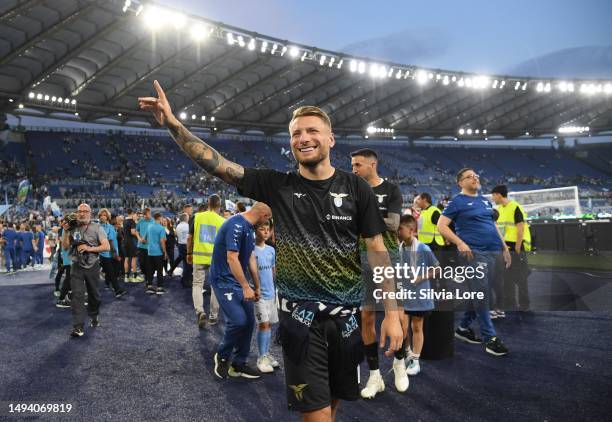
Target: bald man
<point x="233" y="255"/>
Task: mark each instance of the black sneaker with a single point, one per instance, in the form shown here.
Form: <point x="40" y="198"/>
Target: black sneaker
<point x="120" y="293"/>
<point x="77" y="331"/>
<point x="160" y="290"/>
<point x="467" y="335"/>
<point x="64" y="303"/>
<point x="201" y="320"/>
<point x="150" y="290"/>
<point x="244" y="371"/>
<point x="95" y="322"/>
<point x="221" y="367"/>
<point x="496" y="347"/>
<point x="212" y="320"/>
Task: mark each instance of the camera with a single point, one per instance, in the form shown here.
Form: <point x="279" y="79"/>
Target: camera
<point x="71" y="220"/>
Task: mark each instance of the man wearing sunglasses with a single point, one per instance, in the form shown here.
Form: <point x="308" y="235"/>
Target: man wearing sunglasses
<point x="479" y="242"/>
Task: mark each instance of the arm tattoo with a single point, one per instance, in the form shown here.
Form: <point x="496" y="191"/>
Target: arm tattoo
<point x="206" y="156"/>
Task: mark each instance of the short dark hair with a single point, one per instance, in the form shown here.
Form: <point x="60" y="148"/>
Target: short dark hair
<point x="425" y="196"/>
<point x="365" y="152"/>
<point x="157" y="215"/>
<point x="187" y="206"/>
<point x="202" y="207"/>
<point x="214" y="201"/>
<point x="240" y="206"/>
<point x="406" y="219"/>
<point x="460" y="173"/>
<point x="146" y="209"/>
<point x="263" y="224"/>
<point x="130" y="211"/>
<point x="501" y="189"/>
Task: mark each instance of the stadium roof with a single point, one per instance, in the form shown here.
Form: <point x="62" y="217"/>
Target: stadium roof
<point x="97" y="57"/>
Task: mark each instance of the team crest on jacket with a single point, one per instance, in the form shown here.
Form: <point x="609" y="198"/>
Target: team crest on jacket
<point x="338" y="198"/>
<point x="381" y="198"/>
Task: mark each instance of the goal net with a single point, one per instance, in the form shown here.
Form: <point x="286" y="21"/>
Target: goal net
<point x="553" y="202"/>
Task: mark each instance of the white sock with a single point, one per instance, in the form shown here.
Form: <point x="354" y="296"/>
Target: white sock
<point x="375" y="372"/>
<point x="414" y="356"/>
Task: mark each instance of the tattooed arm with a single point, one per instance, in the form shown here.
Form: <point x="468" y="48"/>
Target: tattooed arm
<point x="199" y="151"/>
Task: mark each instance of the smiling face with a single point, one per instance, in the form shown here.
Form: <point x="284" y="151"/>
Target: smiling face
<point x="311" y="140"/>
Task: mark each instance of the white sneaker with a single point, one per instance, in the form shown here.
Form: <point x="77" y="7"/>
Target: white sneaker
<point x="501" y="314"/>
<point x="401" y="379"/>
<point x="493" y="314"/>
<point x="273" y="361"/>
<point x="263" y="364"/>
<point x="414" y="367"/>
<point x="374" y="385"/>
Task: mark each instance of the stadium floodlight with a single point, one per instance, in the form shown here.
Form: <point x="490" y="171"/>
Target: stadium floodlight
<point x="182" y="115"/>
<point x="495" y="83"/>
<point x="46" y="97"/>
<point x="212" y="119"/>
<point x="390" y="73"/>
<point x="126" y="5"/>
<point x="361" y="67"/>
<point x="251" y="45"/>
<point x="294" y="52"/>
<point x="240" y="40"/>
<point x="573" y="129"/>
<point x="461" y="83"/>
<point x="76" y="113"/>
<point x="53" y="99"/>
<point x="198" y="32"/>
<point x="31" y="95"/>
<point x="283" y="50"/>
<point x="193" y="117"/>
<point x="438" y="77"/>
<point x="203" y="118"/>
<point x="526" y="133"/>
<point x="484" y="131"/>
<point x="66" y="100"/>
<point x="373" y="70"/>
<point x="230" y="38"/>
<point x="178" y="20"/>
<point x="331" y="61"/>
<point x="547" y="87"/>
<point x="421" y="77"/>
<point x="39" y="96"/>
<point x="154" y="17"/>
<point x="340" y="63"/>
<point x="503" y="84"/>
<point x="462" y="131"/>
<point x="371" y="129"/>
<point x="264" y="46"/>
<point x="430" y="75"/>
<point x="563" y="86"/>
<point x="524" y="88"/>
<point x="60" y="100"/>
<point x="398" y="75"/>
<point x="353" y="66"/>
<point x="304" y="56"/>
<point x="608" y="88"/>
<point x="407" y="74"/>
<point x="517" y="85"/>
<point x="382" y="71"/>
<point x="140" y="9"/>
<point x="73" y="102"/>
<point x="468" y="132"/>
<point x="445" y="80"/>
<point x="570" y="87"/>
<point x="468" y="82"/>
<point x="20" y="105"/>
<point x="322" y="60"/>
<point x="477" y="131"/>
<point x="274" y="47"/>
<point x="454" y="78"/>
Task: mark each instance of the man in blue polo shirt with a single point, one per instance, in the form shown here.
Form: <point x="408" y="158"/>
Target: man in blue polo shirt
<point x="232" y="256"/>
<point x="478" y="241"/>
<point x="155" y="240"/>
<point x="9" y="239"/>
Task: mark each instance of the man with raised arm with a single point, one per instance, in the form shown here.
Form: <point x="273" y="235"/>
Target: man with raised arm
<point x="319" y="214"/>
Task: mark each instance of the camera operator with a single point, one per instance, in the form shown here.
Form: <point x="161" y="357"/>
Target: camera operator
<point x="85" y="240"/>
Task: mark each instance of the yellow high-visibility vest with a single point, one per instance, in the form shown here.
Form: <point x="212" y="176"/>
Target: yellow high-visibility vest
<point x="428" y="231"/>
<point x="206" y="225"/>
<point x="507" y="226"/>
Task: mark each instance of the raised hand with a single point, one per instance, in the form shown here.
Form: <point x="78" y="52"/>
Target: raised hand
<point x="159" y="107"/>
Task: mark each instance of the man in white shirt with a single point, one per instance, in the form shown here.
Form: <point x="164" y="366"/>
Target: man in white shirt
<point x="182" y="231"/>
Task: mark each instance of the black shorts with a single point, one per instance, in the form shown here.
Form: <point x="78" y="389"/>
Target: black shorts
<point x="313" y="384"/>
<point x="131" y="250"/>
<point x="418" y="313"/>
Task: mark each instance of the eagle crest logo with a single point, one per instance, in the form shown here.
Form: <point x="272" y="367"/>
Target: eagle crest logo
<point x="338" y="198"/>
<point x="381" y="198"/>
<point x="297" y="390"/>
